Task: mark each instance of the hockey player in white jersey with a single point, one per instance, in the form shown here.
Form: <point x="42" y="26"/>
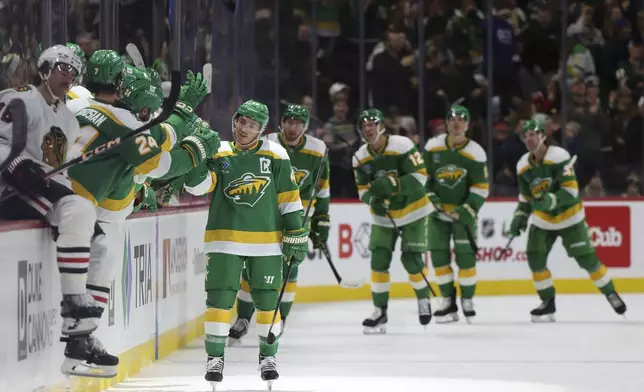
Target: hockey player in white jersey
<point x="52" y="128"/>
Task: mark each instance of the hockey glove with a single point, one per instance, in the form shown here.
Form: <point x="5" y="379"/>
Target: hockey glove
<point x="320" y="225"/>
<point x="436" y="202"/>
<point x="464" y="214"/>
<point x="26" y="176"/>
<point x="546" y="203"/>
<point x="519" y="223"/>
<point x="201" y="146"/>
<point x="194" y="90"/>
<point x="378" y="206"/>
<point x="146" y="199"/>
<point x="295" y="244"/>
<point x="384" y="186"/>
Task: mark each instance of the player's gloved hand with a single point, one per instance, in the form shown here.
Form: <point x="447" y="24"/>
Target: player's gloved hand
<point x="547" y="202"/>
<point x="320" y="225"/>
<point x="384" y="186"/>
<point x="519" y="223"/>
<point x="201" y="146"/>
<point x="146" y="199"/>
<point x="436" y="202"/>
<point x="378" y="206"/>
<point x="194" y="89"/>
<point x="464" y="214"/>
<point x="25" y="175"/>
<point x="295" y="244"/>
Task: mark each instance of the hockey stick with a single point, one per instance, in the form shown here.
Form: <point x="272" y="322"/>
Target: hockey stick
<point x="17" y="111"/>
<point x="466" y="228"/>
<point x="338" y="278"/>
<point x="206" y="71"/>
<point x="270" y="338"/>
<point x="168" y="107"/>
<point x="135" y="55"/>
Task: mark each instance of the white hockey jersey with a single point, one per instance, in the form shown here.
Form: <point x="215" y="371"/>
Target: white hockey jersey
<point x="51" y="130"/>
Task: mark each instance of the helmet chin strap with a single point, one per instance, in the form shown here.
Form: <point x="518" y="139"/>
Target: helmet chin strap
<point x="378" y="136"/>
<point x="542" y="138"/>
<point x="49" y="90"/>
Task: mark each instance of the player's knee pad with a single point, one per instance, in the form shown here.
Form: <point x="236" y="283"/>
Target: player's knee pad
<point x="75" y="217"/>
<point x="589" y="262"/>
<point x="412" y="261"/>
<point x="440" y="258"/>
<point x="380" y="259"/>
<point x="265" y="300"/>
<point x="465" y="260"/>
<point x="537" y="261"/>
<point x="220" y="299"/>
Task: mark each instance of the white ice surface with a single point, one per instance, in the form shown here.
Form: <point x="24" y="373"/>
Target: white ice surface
<point x="588" y="349"/>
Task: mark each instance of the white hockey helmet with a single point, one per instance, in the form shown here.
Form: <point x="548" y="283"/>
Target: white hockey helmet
<point x="58" y="55"/>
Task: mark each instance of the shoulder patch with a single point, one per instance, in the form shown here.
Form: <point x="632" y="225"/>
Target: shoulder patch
<point x="22" y="89"/>
<point x="399" y="144"/>
<point x="437" y="143"/>
<point x="475" y="151"/>
<point x="556" y="155"/>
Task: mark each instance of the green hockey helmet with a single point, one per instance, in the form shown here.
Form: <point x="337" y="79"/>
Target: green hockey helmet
<point x="105" y="67"/>
<point x="254" y="110"/>
<point x="137" y="92"/>
<point x="78" y="51"/>
<point x="297" y="112"/>
<point x="458" y="111"/>
<point x="154" y="75"/>
<point x="533" y="125"/>
<point x="371" y="115"/>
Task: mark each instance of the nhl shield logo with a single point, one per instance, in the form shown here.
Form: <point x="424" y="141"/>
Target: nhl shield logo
<point x="248" y="189"/>
<point x="487" y="228"/>
<point x="450" y="176"/>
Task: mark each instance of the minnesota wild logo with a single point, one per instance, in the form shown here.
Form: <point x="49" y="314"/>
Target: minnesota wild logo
<point x="450" y="175"/>
<point x="300" y="175"/>
<point x="539" y="186"/>
<point x="247" y="189"/>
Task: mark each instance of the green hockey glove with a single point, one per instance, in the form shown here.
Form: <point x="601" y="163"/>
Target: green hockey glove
<point x="546" y="203"/>
<point x="519" y="223"/>
<point x="146" y="199"/>
<point x="295" y="244"/>
<point x="384" y="186"/>
<point x="436" y="202"/>
<point x="378" y="206"/>
<point x="464" y="214"/>
<point x="194" y="90"/>
<point x="320" y="225"/>
<point x="201" y="146"/>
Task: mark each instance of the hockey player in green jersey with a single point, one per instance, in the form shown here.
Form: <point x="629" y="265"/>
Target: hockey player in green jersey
<point x="305" y="153"/>
<point x="548" y="191"/>
<point x="457" y="188"/>
<point x="78" y="90"/>
<point x="123" y="102"/>
<point x="255" y="219"/>
<point x="390" y="175"/>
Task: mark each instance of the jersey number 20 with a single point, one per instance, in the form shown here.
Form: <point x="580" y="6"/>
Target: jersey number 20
<point x="146" y="144"/>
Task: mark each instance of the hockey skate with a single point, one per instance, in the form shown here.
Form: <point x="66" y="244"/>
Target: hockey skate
<point x="448" y="313"/>
<point x="468" y="309"/>
<point x="376" y="323"/>
<point x="214" y="371"/>
<point x="237" y="331"/>
<point x="80" y="314"/>
<point x="85" y="356"/>
<point x="616" y="302"/>
<point x="544" y="313"/>
<point x="424" y="311"/>
<point x="268" y="370"/>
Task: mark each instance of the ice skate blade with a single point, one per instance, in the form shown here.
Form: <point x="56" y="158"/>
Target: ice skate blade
<point x="379" y="330"/>
<point x="469" y="320"/>
<point x="269" y="385"/>
<point x="546" y="318"/>
<point x="213" y="385"/>
<point x="73" y="327"/>
<point x="448" y="318"/>
<point x="233" y="342"/>
<point x="80" y="368"/>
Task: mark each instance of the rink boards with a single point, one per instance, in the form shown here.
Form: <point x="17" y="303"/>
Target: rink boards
<point x="157" y="300"/>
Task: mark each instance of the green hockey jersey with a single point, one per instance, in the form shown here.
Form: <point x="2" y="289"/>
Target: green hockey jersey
<point x="457" y="175"/>
<point x="108" y="180"/>
<point x="305" y="160"/>
<point x="255" y="197"/>
<point x="399" y="157"/>
<point x="553" y="175"/>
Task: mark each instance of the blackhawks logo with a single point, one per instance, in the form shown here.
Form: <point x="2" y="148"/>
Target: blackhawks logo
<point x="54" y="147"/>
<point x="539" y="186"/>
<point x="247" y="189"/>
<point x="300" y="175"/>
<point x="450" y="176"/>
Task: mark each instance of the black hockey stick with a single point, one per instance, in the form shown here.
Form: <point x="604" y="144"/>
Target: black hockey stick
<point x="270" y="338"/>
<point x="466" y="228"/>
<point x="343" y="283"/>
<point x="17" y="112"/>
<point x="168" y="107"/>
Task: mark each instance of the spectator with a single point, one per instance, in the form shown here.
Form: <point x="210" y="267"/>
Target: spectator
<point x="343" y="140"/>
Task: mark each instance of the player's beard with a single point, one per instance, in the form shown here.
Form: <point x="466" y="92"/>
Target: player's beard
<point x="290" y="138"/>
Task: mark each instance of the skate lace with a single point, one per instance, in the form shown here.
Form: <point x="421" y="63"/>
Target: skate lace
<point x="268" y="364"/>
<point x="423" y="307"/>
<point x="614" y="300"/>
<point x="241" y="324"/>
<point x="215" y="364"/>
<point x="543" y="305"/>
<point x="96" y="345"/>
<point x="376" y="313"/>
<point x="468" y="305"/>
